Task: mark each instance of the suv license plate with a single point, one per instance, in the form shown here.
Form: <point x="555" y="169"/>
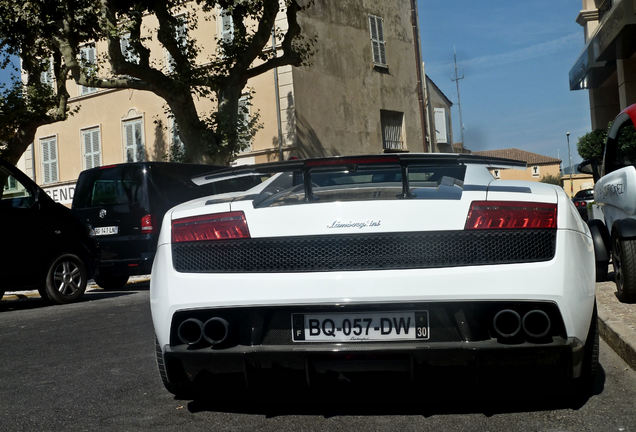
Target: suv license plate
<point x="360" y="326"/>
<point x="107" y="230"/>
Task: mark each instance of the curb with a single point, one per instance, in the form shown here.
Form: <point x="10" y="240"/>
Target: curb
<point x="617" y="322"/>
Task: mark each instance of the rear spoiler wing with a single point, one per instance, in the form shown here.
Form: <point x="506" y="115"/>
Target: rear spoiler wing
<point x="306" y="166"/>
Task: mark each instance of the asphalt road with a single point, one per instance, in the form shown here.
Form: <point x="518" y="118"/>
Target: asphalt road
<point x="90" y="366"/>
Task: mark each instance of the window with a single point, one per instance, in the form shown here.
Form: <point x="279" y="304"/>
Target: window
<point x="91" y="142"/>
<point x="226" y="26"/>
<point x="134" y="140"/>
<point x="181" y="36"/>
<point x="441" y="136"/>
<point x="127" y="50"/>
<point x="177" y="150"/>
<point x="496" y="173"/>
<point x="89" y="61"/>
<point x="49" y="159"/>
<point x="391" y="122"/>
<point x="14" y="194"/>
<point x="378" y="49"/>
<point x="244" y="121"/>
<point x="46" y="77"/>
<point x="535" y="171"/>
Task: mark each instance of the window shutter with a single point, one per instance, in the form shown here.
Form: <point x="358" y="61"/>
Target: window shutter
<point x="130" y="153"/>
<point x="227" y="26"/>
<point x="88" y="150"/>
<point x="45" y="162"/>
<point x="53" y="155"/>
<point x="382" y="53"/>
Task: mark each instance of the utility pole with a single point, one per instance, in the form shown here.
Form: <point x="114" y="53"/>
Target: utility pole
<point x="567" y="134"/>
<point x="459" y="101"/>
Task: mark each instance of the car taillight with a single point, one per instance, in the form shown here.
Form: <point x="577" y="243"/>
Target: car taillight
<point x="146" y="224"/>
<point x="217" y="226"/>
<point x="511" y="215"/>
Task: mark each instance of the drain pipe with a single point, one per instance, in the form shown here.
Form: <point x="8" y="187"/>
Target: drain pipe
<point x="418" y="68"/>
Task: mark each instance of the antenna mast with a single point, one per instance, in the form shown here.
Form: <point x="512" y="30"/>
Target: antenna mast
<point x="459" y="101"/>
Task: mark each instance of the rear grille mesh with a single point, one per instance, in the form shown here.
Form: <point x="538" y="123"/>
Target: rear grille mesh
<point x="350" y="252"/>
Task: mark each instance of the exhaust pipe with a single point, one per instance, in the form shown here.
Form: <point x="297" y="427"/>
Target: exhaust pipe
<point x="190" y="331"/>
<point x="507" y="323"/>
<point x="215" y="330"/>
<point x="536" y="323"/>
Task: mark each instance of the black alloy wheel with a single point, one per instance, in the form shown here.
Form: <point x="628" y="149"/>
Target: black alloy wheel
<point x="624" y="260"/>
<point x="66" y="279"/>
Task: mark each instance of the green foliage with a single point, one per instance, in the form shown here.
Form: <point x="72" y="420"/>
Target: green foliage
<point x="40" y="30"/>
<point x="551" y="179"/>
<point x="590" y="145"/>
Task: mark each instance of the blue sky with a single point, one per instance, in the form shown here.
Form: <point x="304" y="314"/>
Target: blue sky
<point x="515" y="57"/>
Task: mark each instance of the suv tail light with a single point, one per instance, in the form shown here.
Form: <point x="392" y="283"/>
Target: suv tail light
<point x="511" y="215"/>
<point x="146" y="224"/>
<point x="217" y="226"/>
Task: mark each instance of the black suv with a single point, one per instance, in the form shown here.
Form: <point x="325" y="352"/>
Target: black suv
<point x="44" y="246"/>
<point x="124" y="206"/>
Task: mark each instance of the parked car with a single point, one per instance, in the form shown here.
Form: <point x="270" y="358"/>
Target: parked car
<point x="44" y="246"/>
<point x="353" y="263"/>
<point x="124" y="205"/>
<point x="614" y="227"/>
<point x="581" y="199"/>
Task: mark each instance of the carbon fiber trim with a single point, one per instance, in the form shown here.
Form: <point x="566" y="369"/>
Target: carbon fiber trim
<point x="355" y="252"/>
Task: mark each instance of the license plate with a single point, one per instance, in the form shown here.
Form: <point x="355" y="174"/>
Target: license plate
<point x="107" y="230"/>
<point x="360" y="326"/>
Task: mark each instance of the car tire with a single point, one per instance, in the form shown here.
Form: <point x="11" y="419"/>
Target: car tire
<point x="66" y="279"/>
<point x="624" y="260"/>
<point x="1" y="294"/>
<point x="178" y="386"/>
<point x="43" y="295"/>
<point x="591" y="365"/>
<point x="601" y="271"/>
<point x="111" y="283"/>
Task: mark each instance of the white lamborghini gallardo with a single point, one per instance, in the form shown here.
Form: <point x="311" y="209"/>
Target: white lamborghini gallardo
<point x="337" y="263"/>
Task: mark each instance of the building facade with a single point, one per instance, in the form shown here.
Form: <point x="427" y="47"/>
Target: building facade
<point x="607" y="65"/>
<point x="357" y="96"/>
<point x="538" y="166"/>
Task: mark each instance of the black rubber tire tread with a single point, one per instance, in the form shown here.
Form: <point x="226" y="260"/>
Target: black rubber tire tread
<point x="51" y="291"/>
<point x="591" y="365"/>
<point x="181" y="389"/>
<point x="625" y="268"/>
<point x="112" y="283"/>
<point x="601" y="271"/>
<point x="43" y="295"/>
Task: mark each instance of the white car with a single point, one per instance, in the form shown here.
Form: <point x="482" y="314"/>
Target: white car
<point x="415" y="259"/>
<point x="613" y="215"/>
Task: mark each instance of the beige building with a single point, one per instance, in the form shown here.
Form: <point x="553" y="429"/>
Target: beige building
<point x="539" y="166"/>
<point x="359" y="95"/>
<point x="607" y="65"/>
<point x="579" y="182"/>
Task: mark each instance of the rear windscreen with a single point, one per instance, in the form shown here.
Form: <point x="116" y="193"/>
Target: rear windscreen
<point x="365" y="183"/>
<point x="108" y="187"/>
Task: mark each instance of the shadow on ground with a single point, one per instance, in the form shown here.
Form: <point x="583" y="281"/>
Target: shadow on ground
<point x="383" y="395"/>
<point x="31" y="302"/>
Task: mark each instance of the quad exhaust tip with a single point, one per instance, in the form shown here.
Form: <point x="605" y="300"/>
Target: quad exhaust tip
<point x="507" y="323"/>
<point x="215" y="330"/>
<point x="190" y="331"/>
<point x="536" y="323"/>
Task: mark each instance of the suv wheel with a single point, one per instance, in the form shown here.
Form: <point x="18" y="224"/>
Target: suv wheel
<point x="66" y="279"/>
<point x="111" y="282"/>
<point x="625" y="268"/>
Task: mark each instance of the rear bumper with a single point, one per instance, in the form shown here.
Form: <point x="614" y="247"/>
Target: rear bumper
<point x="126" y="255"/>
<point x="562" y="357"/>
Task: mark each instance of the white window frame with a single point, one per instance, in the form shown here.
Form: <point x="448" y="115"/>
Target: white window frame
<point x="244" y="101"/>
<point x="378" y="44"/>
<point x="126" y="49"/>
<point x="496" y="173"/>
<point x="50" y="166"/>
<point x="92" y="154"/>
<point x="535" y="171"/>
<point x="183" y="45"/>
<point x="133" y="120"/>
<point x="225" y="34"/>
<point x="47" y="77"/>
<point x="86" y="59"/>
